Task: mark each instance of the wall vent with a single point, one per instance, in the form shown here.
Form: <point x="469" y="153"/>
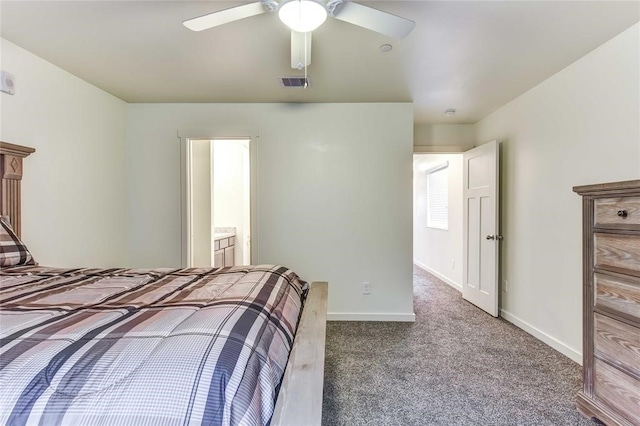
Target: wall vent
<point x="295" y="82"/>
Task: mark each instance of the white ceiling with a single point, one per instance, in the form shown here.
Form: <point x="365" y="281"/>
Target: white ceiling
<point x="470" y="55"/>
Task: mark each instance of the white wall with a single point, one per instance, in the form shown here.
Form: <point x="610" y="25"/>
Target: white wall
<point x="333" y="198"/>
<point x="231" y="192"/>
<point x="437" y="250"/>
<point x="444" y="135"/>
<point x="581" y="126"/>
<point x="74" y="189"/>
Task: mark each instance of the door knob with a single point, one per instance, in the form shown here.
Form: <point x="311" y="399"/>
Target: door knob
<point x="491" y="237"/>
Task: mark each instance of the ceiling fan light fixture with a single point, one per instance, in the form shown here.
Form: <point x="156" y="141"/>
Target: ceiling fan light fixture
<point x="302" y="15"/>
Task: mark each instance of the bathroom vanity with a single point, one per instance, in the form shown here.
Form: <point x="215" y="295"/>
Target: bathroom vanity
<point x="224" y="241"/>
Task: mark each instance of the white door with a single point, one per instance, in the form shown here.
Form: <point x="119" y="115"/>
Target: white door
<point x="481" y="225"/>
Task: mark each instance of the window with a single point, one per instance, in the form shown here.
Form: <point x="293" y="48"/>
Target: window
<point x="438" y="197"/>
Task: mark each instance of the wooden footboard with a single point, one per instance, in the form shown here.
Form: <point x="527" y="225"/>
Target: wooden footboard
<point x="300" y="400"/>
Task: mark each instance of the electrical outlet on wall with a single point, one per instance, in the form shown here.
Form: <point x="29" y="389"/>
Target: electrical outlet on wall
<point x="366" y="287"/>
<point x="505" y="286"/>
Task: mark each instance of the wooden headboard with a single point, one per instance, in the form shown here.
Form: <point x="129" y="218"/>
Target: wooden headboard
<point x="11" y="171"/>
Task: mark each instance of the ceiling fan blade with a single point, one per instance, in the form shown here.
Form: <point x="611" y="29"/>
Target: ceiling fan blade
<point x="300" y="50"/>
<point x="374" y="19"/>
<point x="224" y="16"/>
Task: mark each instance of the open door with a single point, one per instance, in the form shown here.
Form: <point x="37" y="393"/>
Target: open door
<point x="480" y="228"/>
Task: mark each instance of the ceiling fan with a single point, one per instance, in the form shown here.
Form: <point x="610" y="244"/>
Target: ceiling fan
<point x="304" y="16"/>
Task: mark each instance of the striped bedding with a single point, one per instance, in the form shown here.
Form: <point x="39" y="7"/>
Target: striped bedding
<point x="145" y="347"/>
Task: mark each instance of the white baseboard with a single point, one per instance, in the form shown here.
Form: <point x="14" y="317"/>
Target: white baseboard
<point x="567" y="351"/>
<point x="344" y="316"/>
<point x="438" y="274"/>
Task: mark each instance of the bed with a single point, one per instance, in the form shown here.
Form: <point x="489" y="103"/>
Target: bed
<point x="234" y="345"/>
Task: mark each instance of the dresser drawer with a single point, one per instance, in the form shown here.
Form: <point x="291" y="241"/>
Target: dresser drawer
<point x="617" y="390"/>
<point x="617" y="342"/>
<point x="619" y="212"/>
<point x="618" y="295"/>
<point x="617" y="252"/>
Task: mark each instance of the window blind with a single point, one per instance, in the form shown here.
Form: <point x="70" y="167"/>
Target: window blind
<point x="438" y="197"/>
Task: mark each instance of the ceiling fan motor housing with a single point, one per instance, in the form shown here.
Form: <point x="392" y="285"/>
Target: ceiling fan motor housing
<point x="270" y="5"/>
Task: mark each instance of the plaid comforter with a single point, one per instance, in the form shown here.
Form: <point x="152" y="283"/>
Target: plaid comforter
<point x="144" y="347"/>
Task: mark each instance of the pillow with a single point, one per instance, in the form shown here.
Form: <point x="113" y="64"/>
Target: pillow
<point x="13" y="252"/>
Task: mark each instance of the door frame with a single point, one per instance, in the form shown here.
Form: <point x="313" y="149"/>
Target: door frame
<point x="184" y="139"/>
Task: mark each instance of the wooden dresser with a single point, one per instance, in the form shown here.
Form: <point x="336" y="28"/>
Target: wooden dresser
<point x="611" y="297"/>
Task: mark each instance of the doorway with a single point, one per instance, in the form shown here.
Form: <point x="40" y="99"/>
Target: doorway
<point x="438" y="216"/>
<point x="457" y="214"/>
<point x="217" y="203"/>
